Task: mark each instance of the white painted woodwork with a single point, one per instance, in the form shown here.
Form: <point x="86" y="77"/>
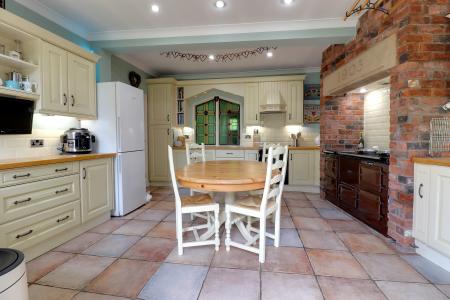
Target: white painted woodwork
<point x="97" y="186"/>
<point x="317" y="168"/>
<point x="431" y="219"/>
<point x="302" y="167"/>
<point x="161" y="99"/>
<point x="160" y="138"/>
<point x="294" y="114"/>
<point x="54" y="78"/>
<point x="230" y="154"/>
<point x="81" y="86"/>
<point x="251" y="105"/>
<point x="251" y="155"/>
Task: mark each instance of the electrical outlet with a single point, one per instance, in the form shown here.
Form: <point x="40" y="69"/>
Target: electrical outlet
<point x="37" y="143"/>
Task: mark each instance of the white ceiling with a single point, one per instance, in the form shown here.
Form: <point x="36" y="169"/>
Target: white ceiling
<point x="132" y="20"/>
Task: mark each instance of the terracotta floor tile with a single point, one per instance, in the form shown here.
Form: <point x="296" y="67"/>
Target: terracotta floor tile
<point x="335" y="263"/>
<point x="136" y="227"/>
<point x="321" y="240"/>
<point x="45" y="263"/>
<point x="313" y="197"/>
<point x="275" y="286"/>
<point x="113" y="245"/>
<point x="434" y="273"/>
<point x="333" y="214"/>
<point x="311" y="224"/>
<point x="321" y="204"/>
<point x="172" y="217"/>
<point x="294" y="195"/>
<point x="77" y="272"/>
<point x="187" y="279"/>
<point x="284" y="211"/>
<point x="304" y="212"/>
<point x="360" y="242"/>
<point x="108" y="226"/>
<point x="152" y="249"/>
<point x="286" y="260"/>
<point x="124" y="278"/>
<point x="235" y="259"/>
<point x="201" y="256"/>
<point x="231" y="284"/>
<point x="347" y="226"/>
<point x="40" y="292"/>
<point x="153" y="215"/>
<point x="91" y="296"/>
<point x="410" y="291"/>
<point x="165" y="230"/>
<point x="445" y="289"/>
<point x="133" y="214"/>
<point x="288" y="238"/>
<point x="334" y="288"/>
<point x="388" y="267"/>
<point x="80" y="243"/>
<point x="298" y="203"/>
<point x="164" y="205"/>
<point x="285" y="222"/>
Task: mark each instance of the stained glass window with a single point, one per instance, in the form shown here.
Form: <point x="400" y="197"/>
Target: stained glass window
<point x="205" y="123"/>
<point x="229" y="133"/>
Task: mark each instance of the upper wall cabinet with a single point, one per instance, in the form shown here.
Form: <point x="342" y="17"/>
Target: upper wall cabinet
<point x="68" y="83"/>
<point x="161" y="97"/>
<point x="251" y="104"/>
<point x="294" y="114"/>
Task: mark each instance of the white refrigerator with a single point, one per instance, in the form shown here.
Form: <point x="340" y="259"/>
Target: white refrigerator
<point x="120" y="128"/>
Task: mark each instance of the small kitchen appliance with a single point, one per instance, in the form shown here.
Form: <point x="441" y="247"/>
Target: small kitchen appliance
<point x="77" y="140"/>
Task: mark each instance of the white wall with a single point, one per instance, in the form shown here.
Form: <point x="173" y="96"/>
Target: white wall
<point x="376" y="119"/>
<point x="48" y="128"/>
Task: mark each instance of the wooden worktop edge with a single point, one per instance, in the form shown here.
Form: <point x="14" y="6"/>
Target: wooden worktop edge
<point x="437" y="161"/>
<point x="48" y="160"/>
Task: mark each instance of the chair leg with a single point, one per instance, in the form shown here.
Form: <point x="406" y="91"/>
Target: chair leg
<point x="277" y="215"/>
<point x="179" y="229"/>
<point x="228" y="229"/>
<point x="191" y="193"/>
<point x="262" y="240"/>
<point x="216" y="226"/>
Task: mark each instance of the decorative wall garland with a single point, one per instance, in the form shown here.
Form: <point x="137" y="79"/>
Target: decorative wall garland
<point x="357" y="7"/>
<point x="219" y="58"/>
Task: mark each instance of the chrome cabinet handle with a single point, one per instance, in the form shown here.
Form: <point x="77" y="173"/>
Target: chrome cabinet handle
<point x="17" y="202"/>
<point x="420" y="191"/>
<point x="62" y="219"/>
<point x="84" y="173"/>
<point x="61" y="191"/>
<point x="21" y="235"/>
<point x="65" y="99"/>
<point x="73" y="100"/>
<point x="22" y="176"/>
<point x="61" y="170"/>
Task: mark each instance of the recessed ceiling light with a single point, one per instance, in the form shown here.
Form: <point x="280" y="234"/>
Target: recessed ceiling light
<point x="363" y="90"/>
<point x="155" y="8"/>
<point x="269" y="54"/>
<point x="288" y="2"/>
<point x="220" y="4"/>
<point x="211" y="57"/>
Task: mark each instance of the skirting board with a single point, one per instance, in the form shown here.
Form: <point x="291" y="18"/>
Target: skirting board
<point x="433" y="255"/>
<point x="63" y="237"/>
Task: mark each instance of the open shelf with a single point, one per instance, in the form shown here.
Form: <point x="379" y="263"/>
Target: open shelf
<point x="18" y="64"/>
<point x="4" y="91"/>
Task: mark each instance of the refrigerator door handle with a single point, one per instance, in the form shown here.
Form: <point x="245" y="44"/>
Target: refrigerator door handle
<point x="119" y="134"/>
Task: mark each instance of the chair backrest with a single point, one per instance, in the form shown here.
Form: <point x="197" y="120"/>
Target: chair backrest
<point x="195" y="153"/>
<point x="265" y="152"/>
<point x="174" y="179"/>
<point x="276" y="174"/>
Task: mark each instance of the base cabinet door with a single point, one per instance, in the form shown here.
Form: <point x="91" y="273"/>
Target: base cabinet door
<point x="301" y="168"/>
<point x="97" y="187"/>
<point x="159" y="160"/>
<point x="439" y="217"/>
<point x="421" y="202"/>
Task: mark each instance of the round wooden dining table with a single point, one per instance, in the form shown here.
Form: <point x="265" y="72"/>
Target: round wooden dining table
<point x="226" y="176"/>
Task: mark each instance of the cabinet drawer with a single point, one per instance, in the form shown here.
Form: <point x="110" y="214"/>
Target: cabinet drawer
<point x="370" y="177"/>
<point x="32" y="230"/>
<point x="22" y="200"/>
<point x="370" y="205"/>
<point x="23" y="175"/>
<point x="347" y="197"/>
<point x="349" y="170"/>
<point x="230" y="154"/>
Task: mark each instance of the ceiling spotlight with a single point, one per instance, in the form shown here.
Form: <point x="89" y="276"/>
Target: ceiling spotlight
<point x="288" y="2"/>
<point x="155" y="8"/>
<point x="269" y="54"/>
<point x="211" y="57"/>
<point x="220" y="4"/>
<point x="363" y="90"/>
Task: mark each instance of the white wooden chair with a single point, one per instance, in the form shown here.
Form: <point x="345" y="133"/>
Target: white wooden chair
<point x="201" y="203"/>
<point x="265" y="152"/>
<point x="260" y="207"/>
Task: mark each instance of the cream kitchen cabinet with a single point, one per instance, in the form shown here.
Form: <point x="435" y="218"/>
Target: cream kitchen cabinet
<point x="68" y="84"/>
<point x="161" y="99"/>
<point x="159" y="139"/>
<point x="251" y="104"/>
<point x="97" y="186"/>
<point x="431" y="215"/>
<point x="294" y="109"/>
<point x="252" y="155"/>
<point x="303" y="167"/>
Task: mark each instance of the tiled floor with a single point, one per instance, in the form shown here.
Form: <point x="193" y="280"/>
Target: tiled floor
<point x="324" y="254"/>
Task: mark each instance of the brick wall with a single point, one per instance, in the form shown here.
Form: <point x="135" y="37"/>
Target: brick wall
<point x="420" y="84"/>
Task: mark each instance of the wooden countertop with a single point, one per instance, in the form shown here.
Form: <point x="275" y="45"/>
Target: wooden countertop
<point x="256" y="147"/>
<point x="304" y="148"/>
<point x="436" y="161"/>
<point x="50" y="159"/>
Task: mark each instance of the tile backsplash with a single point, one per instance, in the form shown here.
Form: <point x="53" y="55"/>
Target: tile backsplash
<point x="48" y="128"/>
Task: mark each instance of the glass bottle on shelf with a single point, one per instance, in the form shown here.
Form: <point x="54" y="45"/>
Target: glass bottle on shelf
<point x="361" y="141"/>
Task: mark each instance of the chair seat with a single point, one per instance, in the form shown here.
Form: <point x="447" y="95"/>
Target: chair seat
<point x="253" y="202"/>
<point x="201" y="199"/>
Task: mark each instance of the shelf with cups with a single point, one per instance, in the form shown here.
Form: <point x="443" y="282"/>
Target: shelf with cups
<point x="17" y="93"/>
<point x="180" y="106"/>
<point x="17" y="64"/>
